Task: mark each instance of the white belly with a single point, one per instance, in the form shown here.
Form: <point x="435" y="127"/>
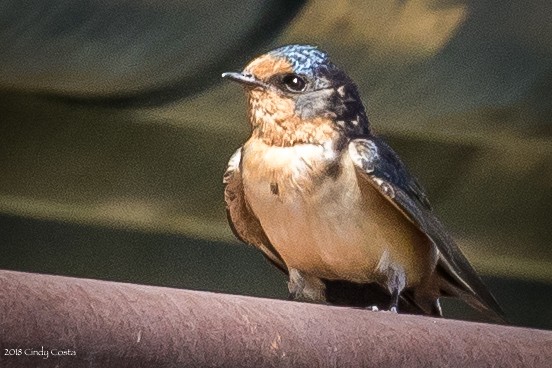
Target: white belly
<point x="320" y="225"/>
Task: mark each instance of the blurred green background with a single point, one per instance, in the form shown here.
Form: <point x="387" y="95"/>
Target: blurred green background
<point x="115" y="130"/>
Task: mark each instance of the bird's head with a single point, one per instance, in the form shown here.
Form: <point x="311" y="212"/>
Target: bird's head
<point x="296" y="88"/>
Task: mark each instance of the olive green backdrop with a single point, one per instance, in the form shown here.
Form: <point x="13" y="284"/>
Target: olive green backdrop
<point x="115" y="131"/>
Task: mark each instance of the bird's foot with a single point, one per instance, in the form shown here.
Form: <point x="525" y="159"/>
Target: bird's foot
<point x="374" y="308"/>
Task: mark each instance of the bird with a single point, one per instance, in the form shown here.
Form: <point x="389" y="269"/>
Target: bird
<point x="330" y="203"/>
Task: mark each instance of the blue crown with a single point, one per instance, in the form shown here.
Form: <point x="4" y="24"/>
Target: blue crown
<point x="304" y="59"/>
<point x="312" y="62"/>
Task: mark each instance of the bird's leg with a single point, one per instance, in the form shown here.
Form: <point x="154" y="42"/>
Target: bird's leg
<point x="393" y="278"/>
<point x="396" y="282"/>
<point x="306" y="288"/>
<point x="394" y="306"/>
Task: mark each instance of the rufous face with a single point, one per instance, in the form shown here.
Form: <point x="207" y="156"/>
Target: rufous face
<point x="296" y="95"/>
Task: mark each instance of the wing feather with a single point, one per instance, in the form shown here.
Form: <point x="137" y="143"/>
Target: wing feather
<point x="243" y="222"/>
<point x="380" y="165"/>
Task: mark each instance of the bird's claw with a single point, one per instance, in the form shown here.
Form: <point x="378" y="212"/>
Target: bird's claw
<point x="374" y="308"/>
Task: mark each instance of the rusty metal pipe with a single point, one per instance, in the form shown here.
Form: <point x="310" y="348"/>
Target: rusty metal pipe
<point x="109" y="324"/>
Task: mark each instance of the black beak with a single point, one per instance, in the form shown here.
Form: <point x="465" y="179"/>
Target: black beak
<point x="245" y="79"/>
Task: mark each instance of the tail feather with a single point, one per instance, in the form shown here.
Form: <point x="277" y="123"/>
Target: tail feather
<point x="449" y="286"/>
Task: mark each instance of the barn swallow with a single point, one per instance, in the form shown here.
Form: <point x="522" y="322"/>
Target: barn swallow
<point x="330" y="203"/>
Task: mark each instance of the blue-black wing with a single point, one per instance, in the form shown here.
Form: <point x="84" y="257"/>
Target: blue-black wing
<point x="381" y="167"/>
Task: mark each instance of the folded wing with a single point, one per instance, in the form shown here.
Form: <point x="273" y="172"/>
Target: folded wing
<point x="380" y="166"/>
<point x="243" y="221"/>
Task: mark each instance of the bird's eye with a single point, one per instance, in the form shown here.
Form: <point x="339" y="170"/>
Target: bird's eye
<point x="294" y="83"/>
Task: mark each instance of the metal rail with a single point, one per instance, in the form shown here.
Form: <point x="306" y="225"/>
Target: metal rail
<point x="107" y="324"/>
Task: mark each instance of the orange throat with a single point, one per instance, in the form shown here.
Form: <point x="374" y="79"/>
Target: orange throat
<point x="275" y="122"/>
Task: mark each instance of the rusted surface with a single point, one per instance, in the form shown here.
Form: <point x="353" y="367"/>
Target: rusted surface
<point x="111" y="324"/>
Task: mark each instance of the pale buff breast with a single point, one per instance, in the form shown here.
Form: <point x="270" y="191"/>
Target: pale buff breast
<point x="328" y="225"/>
